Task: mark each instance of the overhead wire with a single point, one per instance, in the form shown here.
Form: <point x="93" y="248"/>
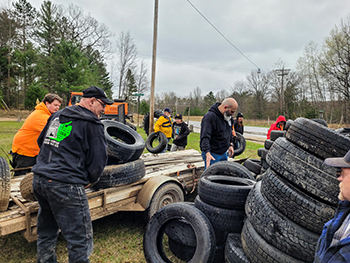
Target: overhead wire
<point x="223" y="35"/>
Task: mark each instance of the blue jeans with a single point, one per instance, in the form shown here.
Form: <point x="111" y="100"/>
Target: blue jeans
<point x="166" y="147"/>
<point x="65" y="207"/>
<point x="218" y="158"/>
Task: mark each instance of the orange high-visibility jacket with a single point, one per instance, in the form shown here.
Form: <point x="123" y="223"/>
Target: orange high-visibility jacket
<point x="24" y="142"/>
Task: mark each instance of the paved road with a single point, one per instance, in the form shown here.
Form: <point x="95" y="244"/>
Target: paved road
<point x="256" y="131"/>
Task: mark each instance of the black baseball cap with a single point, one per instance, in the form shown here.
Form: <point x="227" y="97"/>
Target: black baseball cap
<point x="178" y="116"/>
<point x="97" y="93"/>
<point x="340" y="161"/>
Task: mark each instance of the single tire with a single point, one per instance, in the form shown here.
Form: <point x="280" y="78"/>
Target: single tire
<point x="145" y="122"/>
<point x="298" y="206"/>
<point x="224" y="221"/>
<point x="212" y="188"/>
<point x="162" y="142"/>
<point x="288" y="123"/>
<point x="242" y="144"/>
<point x="258" y="250"/>
<point x="304" y="170"/>
<point x="26" y="187"/>
<point x="124" y="143"/>
<point x="268" y="144"/>
<point x="277" y="230"/>
<point x="318" y="139"/>
<point x="153" y="237"/>
<point x="276" y="134"/>
<point x="5" y="184"/>
<point x="229" y="169"/>
<point x="233" y="249"/>
<point x="121" y="174"/>
<point x="166" y="194"/>
<point x="252" y="166"/>
<point x="321" y="121"/>
<point x="262" y="152"/>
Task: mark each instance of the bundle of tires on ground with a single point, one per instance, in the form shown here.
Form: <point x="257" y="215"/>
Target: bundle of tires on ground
<point x="296" y="196"/>
<point x="217" y="211"/>
<point x="124" y="148"/>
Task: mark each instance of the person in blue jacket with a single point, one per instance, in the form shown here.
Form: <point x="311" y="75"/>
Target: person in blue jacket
<point x="334" y="242"/>
<point x="73" y="154"/>
<point x="216" y="132"/>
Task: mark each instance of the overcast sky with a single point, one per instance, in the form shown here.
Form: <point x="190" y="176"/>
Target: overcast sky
<point x="190" y="53"/>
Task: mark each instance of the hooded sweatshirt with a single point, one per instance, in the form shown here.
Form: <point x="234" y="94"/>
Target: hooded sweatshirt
<point x="274" y="127"/>
<point x="216" y="133"/>
<point x="24" y="142"/>
<point x="73" y="147"/>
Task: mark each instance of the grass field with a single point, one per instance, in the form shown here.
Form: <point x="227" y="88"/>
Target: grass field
<point x="117" y="238"/>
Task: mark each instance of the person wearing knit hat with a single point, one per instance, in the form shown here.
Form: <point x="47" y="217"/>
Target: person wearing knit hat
<point x="334" y="242"/>
<point x="238" y="123"/>
<point x="180" y="131"/>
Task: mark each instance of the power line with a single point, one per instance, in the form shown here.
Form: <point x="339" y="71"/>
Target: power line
<point x="223" y="35"/>
<point x="196" y="64"/>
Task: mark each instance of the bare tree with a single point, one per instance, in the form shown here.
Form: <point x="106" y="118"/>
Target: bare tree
<point x="258" y="85"/>
<point x="221" y="95"/>
<point x="335" y="62"/>
<point x="126" y="53"/>
<point x="84" y="30"/>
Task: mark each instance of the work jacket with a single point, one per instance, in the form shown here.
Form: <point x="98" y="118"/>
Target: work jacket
<point x="274" y="127"/>
<point x="163" y="124"/>
<point x="340" y="252"/>
<point x="25" y="140"/>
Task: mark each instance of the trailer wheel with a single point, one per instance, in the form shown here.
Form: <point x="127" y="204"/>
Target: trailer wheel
<point x="5" y="185"/>
<point x="26" y="187"/>
<point x="167" y="193"/>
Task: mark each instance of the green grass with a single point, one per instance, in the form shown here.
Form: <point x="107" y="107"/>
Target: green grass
<point x="117" y="238"/>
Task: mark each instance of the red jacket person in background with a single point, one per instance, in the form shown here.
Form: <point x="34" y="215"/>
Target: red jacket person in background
<point x="278" y="125"/>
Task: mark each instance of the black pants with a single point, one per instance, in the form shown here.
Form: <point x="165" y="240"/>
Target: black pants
<point x="21" y="161"/>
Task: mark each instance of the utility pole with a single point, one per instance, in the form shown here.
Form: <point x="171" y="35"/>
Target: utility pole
<point x="282" y="72"/>
<point x="153" y="78"/>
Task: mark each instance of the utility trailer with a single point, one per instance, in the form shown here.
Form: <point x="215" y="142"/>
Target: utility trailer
<point x="168" y="178"/>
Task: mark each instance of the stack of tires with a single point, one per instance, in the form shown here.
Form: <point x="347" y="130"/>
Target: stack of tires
<point x="124" y="148"/>
<point x="297" y="195"/>
<point x="172" y="233"/>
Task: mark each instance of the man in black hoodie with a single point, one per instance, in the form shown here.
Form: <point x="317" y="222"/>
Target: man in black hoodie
<point x="73" y="154"/>
<point x="216" y="132"/>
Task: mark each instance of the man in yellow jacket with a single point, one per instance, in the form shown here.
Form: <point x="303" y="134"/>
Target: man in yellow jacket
<point x="164" y="125"/>
<point x="25" y="147"/>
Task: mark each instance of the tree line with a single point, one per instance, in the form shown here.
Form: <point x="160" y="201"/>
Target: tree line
<point x="319" y="86"/>
<point x="60" y="49"/>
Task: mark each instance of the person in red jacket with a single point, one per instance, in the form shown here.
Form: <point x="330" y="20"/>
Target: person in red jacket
<point x="24" y="146"/>
<point x="278" y="125"/>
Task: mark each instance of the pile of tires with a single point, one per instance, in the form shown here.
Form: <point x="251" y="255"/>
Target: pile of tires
<point x="198" y="232"/>
<point x="296" y="196"/>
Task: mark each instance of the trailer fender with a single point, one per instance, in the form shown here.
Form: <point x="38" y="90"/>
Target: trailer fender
<point x="147" y="192"/>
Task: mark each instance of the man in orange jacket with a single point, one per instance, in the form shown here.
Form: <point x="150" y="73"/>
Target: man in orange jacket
<point x="278" y="125"/>
<point x="24" y="147"/>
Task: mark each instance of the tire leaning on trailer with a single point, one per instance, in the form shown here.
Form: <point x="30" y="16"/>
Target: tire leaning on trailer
<point x="26" y="187"/>
<point x="5" y="184"/>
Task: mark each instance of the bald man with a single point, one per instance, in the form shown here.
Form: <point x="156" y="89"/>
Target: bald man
<point x="216" y="132"/>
